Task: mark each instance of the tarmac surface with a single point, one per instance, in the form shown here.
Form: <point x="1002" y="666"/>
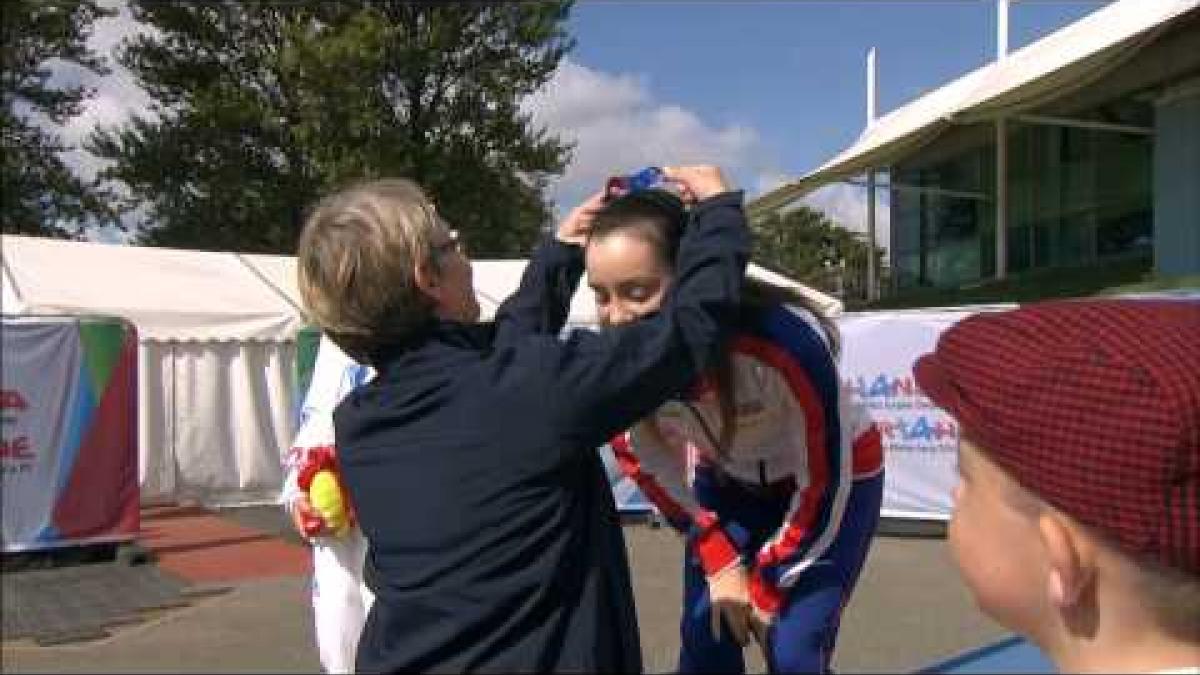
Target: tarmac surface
<point x="227" y="592"/>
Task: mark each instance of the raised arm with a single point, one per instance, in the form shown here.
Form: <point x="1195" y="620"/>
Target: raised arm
<point x="600" y="384"/>
<point x="543" y="300"/>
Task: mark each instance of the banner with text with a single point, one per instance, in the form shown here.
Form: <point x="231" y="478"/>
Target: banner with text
<point x="68" y="432"/>
<point x="920" y="441"/>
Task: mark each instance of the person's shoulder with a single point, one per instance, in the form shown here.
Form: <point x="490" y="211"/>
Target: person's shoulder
<point x="777" y="321"/>
<point x="530" y="359"/>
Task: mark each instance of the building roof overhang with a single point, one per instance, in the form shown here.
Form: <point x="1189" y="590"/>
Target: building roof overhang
<point x="1050" y="68"/>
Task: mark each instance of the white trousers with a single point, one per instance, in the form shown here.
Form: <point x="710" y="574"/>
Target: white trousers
<point x="340" y="598"/>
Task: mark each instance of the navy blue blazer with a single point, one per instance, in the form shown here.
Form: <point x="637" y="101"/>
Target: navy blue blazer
<point x="471" y="462"/>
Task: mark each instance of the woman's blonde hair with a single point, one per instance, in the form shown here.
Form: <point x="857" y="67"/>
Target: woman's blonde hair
<point x="356" y="260"/>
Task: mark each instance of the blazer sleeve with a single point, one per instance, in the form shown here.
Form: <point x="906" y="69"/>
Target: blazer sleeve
<point x="542" y="301"/>
<point x="595" y="385"/>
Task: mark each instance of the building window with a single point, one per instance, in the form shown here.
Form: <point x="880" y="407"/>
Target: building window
<point x="1076" y="196"/>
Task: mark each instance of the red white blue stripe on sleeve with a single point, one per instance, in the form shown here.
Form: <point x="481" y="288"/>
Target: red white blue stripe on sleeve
<point x="793" y="346"/>
<point x="713" y="547"/>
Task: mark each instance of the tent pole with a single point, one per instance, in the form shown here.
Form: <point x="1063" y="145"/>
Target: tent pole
<point x="1001" y="29"/>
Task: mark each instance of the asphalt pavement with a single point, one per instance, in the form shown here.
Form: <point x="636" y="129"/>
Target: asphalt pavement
<point x="909" y="610"/>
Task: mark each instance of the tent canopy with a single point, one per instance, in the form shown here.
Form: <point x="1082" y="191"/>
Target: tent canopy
<point x="168" y="294"/>
<point x="218" y="350"/>
<point x="1049" y="68"/>
<point x="178" y="295"/>
<point x="277" y="271"/>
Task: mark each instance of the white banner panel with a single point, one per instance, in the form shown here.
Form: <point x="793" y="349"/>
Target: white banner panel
<point x="920" y="442"/>
<point x="41" y="425"/>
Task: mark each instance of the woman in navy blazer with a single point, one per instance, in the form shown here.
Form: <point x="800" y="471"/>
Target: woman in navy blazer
<point x="470" y="459"/>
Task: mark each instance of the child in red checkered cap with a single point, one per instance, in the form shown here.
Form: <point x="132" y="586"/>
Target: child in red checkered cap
<point x="1077" y="515"/>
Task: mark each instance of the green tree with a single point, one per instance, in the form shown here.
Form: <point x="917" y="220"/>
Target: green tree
<point x="40" y="194"/>
<point x="806" y="245"/>
<point x="262" y="108"/>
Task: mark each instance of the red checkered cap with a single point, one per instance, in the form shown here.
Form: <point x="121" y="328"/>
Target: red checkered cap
<point x="1093" y="405"/>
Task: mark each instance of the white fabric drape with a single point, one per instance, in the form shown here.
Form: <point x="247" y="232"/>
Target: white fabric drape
<point x="215" y="418"/>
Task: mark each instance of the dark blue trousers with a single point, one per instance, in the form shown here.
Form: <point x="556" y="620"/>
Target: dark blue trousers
<point x="804" y="633"/>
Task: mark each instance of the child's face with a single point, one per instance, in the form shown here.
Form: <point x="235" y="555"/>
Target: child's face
<point x="993" y="536"/>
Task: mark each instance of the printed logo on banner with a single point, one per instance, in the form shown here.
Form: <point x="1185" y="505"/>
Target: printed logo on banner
<point x="12" y="399"/>
<point x="17" y="452"/>
<point x="906" y="418"/>
<point x="920" y="441"/>
<point x="922" y="430"/>
<point x="41" y="425"/>
<point x="884" y="391"/>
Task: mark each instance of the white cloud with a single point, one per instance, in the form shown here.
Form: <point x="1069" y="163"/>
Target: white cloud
<point x="769" y="180"/>
<point x="118" y="96"/>
<point x="846" y="204"/>
<point x="617" y="125"/>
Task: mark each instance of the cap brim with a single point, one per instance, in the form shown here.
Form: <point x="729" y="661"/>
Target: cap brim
<point x="937" y="384"/>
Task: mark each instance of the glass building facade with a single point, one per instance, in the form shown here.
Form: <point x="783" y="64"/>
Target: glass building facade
<point x="1075" y="196"/>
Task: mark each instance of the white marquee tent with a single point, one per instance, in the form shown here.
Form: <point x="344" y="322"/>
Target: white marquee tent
<point x="215" y="362"/>
<point x="217" y="356"/>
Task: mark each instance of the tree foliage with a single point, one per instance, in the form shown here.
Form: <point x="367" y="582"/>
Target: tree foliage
<point x="41" y="195"/>
<point x="806" y="245"/>
<point x="262" y="108"/>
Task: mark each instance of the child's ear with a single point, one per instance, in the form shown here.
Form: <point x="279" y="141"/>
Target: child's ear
<point x="1069" y="557"/>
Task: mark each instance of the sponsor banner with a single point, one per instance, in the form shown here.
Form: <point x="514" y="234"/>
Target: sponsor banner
<point x="68" y="432"/>
<point x="878" y="350"/>
<point x="920" y="442"/>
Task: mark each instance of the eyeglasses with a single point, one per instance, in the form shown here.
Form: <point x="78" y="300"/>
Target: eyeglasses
<point x="453" y="243"/>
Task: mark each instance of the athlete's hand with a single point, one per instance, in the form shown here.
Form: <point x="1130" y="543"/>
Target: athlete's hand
<point x="729" y="592"/>
<point x="760" y="625"/>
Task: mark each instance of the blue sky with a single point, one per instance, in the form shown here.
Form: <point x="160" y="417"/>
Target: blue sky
<point x="795" y="71"/>
<point x="769" y="89"/>
<point x="775" y="88"/>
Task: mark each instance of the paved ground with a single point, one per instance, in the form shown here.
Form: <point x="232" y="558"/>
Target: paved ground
<point x="910" y="608"/>
<point x="52" y="606"/>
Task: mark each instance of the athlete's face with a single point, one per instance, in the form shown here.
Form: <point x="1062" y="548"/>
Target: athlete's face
<point x="627" y="275"/>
